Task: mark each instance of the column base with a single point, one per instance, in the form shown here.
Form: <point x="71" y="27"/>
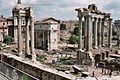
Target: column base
<point x="99" y="47"/>
<point x="95" y="47"/>
<point x="90" y="59"/>
<point x="34" y="58"/>
<point x="28" y="53"/>
<point x="103" y="45"/>
<point x="80" y="50"/>
<point x="21" y="54"/>
<point x="85" y="58"/>
<point x="110" y="46"/>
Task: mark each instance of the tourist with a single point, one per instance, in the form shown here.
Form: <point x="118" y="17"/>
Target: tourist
<point x="110" y="74"/>
<point x="93" y="74"/>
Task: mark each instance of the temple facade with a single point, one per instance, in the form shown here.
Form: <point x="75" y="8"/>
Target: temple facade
<point x="91" y="49"/>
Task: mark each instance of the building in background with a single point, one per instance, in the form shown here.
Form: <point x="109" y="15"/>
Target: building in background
<point x="47" y="33"/>
<point x="3" y="28"/>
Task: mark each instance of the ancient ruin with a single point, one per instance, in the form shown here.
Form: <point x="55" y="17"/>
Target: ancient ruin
<point x="24" y="17"/>
<point x="94" y="22"/>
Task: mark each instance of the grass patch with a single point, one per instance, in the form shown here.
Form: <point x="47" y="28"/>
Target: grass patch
<point x="41" y="58"/>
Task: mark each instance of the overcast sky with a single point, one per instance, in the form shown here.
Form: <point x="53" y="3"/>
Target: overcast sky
<point x="61" y="9"/>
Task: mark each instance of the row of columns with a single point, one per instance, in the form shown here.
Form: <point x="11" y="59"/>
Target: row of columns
<point x="98" y="32"/>
<point x="29" y="37"/>
<point x="48" y="38"/>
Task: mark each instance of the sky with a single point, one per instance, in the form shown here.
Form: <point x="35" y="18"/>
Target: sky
<point x="61" y="9"/>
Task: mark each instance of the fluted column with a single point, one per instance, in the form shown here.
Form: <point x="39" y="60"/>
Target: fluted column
<point x="27" y="37"/>
<point x="99" y="33"/>
<point x="19" y="36"/>
<point x="89" y="25"/>
<point x="85" y="33"/>
<point x="80" y="33"/>
<point x="95" y="32"/>
<point x="102" y="32"/>
<point x="32" y="39"/>
<point x="110" y="33"/>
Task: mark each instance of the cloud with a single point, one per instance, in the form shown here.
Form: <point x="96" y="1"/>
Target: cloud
<point x="61" y="9"/>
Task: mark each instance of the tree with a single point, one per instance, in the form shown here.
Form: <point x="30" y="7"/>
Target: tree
<point x="73" y="39"/>
<point x="7" y="39"/>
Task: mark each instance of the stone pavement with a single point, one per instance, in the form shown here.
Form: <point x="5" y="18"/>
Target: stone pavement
<point x="101" y="78"/>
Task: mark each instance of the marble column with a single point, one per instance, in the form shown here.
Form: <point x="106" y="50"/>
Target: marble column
<point x="99" y="32"/>
<point x="95" y="32"/>
<point x="27" y="37"/>
<point x="32" y="39"/>
<point x="118" y="41"/>
<point x="80" y="33"/>
<point x="48" y="43"/>
<point x="43" y="32"/>
<point x="102" y="32"/>
<point x="19" y="36"/>
<point x="110" y="33"/>
<point x="85" y="33"/>
<point x="89" y="31"/>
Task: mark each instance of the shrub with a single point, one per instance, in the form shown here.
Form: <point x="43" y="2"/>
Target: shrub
<point x="7" y="39"/>
<point x="73" y="39"/>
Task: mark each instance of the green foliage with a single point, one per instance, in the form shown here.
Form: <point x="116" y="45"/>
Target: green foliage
<point x="73" y="39"/>
<point x="7" y="39"/>
<point x="41" y="58"/>
<point x="66" y="61"/>
<point x="24" y="77"/>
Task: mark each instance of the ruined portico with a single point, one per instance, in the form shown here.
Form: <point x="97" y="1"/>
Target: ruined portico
<point x="24" y="21"/>
<point x="94" y="24"/>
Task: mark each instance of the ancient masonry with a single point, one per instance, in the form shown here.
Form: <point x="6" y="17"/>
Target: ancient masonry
<point x="94" y="23"/>
<point x="26" y="12"/>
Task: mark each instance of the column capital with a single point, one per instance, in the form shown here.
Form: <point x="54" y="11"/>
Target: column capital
<point x="110" y="19"/>
<point x="95" y="19"/>
<point x="100" y="19"/>
<point x="80" y="16"/>
<point x="103" y="18"/>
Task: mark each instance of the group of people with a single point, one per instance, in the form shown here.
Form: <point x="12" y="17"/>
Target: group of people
<point x="110" y="73"/>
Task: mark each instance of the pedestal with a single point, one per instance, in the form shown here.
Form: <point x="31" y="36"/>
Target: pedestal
<point x="85" y="58"/>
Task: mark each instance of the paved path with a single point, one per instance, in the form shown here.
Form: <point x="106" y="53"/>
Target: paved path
<point x="101" y="78"/>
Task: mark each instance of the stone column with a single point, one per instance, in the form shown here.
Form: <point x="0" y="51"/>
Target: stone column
<point x="99" y="32"/>
<point x="95" y="32"/>
<point x="110" y="33"/>
<point x="102" y="32"/>
<point x="19" y="35"/>
<point x="89" y="55"/>
<point x="43" y="39"/>
<point x="85" y="33"/>
<point x="48" y="43"/>
<point x="16" y="34"/>
<point x="32" y="39"/>
<point x="89" y="25"/>
<point x="118" y="41"/>
<point x="27" y="37"/>
<point x="80" y="33"/>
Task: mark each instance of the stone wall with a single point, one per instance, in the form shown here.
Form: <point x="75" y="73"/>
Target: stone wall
<point x="40" y="73"/>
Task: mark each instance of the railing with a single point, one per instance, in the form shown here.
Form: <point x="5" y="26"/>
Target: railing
<point x="12" y="73"/>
